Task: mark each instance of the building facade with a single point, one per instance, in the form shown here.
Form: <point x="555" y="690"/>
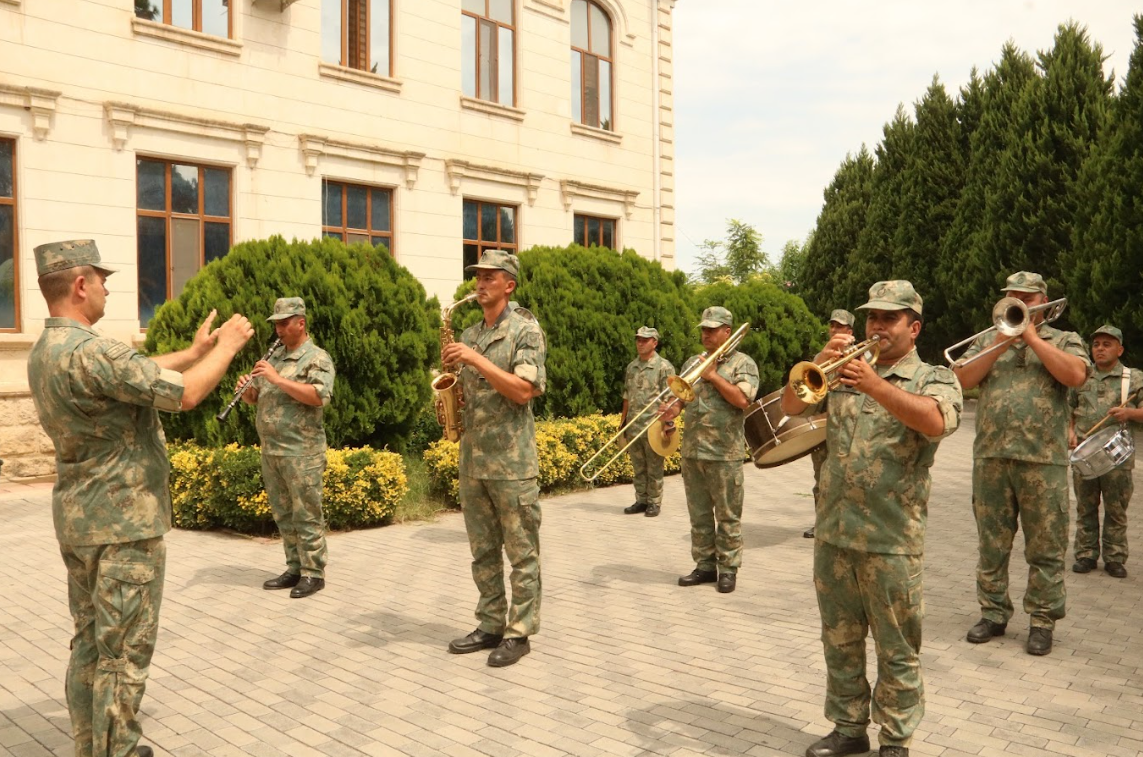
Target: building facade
<point x="169" y="130"/>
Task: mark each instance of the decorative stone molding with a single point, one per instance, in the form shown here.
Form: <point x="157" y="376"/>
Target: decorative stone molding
<point x="595" y="133"/>
<point x="314" y="147"/>
<point x="40" y="103"/>
<point x="558" y="10"/>
<point x="16" y="342"/>
<point x="123" y="117"/>
<point x="461" y="169"/>
<point x="144" y="28"/>
<point x="355" y="76"/>
<point x="570" y="189"/>
<point x="491" y="108"/>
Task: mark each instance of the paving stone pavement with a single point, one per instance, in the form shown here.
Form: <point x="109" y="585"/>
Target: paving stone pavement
<point x="627" y="662"/>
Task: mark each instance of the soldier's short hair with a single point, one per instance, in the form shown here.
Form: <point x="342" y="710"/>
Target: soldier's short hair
<point x="57" y="284"/>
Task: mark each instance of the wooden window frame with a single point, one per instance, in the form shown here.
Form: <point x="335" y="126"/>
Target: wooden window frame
<point x="196" y="16"/>
<point x="11" y="202"/>
<point x="344" y="231"/>
<point x="583" y="69"/>
<point x="494" y="58"/>
<point x="586" y="219"/>
<point x="483" y="245"/>
<point x="368" y="37"/>
<point x="168" y="214"/>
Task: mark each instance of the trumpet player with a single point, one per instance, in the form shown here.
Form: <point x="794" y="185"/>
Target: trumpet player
<point x="503" y="356"/>
<point x="291" y="391"/>
<point x="712" y="452"/>
<point x="1020" y="459"/>
<point x="645" y="379"/>
<point x="882" y="430"/>
<point x="840" y="322"/>
<point x="1115" y="391"/>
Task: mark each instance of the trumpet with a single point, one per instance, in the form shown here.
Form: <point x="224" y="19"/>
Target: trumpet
<point x="1011" y="317"/>
<point x="683" y="389"/>
<point x="238" y="390"/>
<point x="812" y="382"/>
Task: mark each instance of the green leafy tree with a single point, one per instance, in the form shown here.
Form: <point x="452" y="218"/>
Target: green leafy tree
<point x="367" y="311"/>
<point x="710" y="263"/>
<point x="737" y="259"/>
<point x="790" y="271"/>
<point x="590" y="302"/>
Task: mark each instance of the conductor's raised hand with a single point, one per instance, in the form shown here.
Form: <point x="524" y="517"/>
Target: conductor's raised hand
<point x="204" y="337"/>
<point x="234" y="334"/>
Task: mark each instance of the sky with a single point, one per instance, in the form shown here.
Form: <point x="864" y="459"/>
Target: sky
<point x="771" y="96"/>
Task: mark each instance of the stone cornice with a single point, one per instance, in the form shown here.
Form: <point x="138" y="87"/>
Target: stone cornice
<point x="40" y="103"/>
<point x="458" y="170"/>
<point x="570" y="189"/>
<point x="314" y="147"/>
<point x="124" y="117"/>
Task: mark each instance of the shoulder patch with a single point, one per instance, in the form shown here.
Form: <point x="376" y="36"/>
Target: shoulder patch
<point x="115" y="350"/>
<point x="524" y="313"/>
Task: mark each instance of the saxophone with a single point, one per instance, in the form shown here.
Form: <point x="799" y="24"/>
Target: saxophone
<point x="446" y="385"/>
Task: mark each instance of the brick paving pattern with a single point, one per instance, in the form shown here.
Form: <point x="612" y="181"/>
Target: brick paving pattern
<point x="627" y="662"/>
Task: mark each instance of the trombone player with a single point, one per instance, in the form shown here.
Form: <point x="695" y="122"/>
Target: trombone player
<point x="882" y="430"/>
<point x="1020" y="462"/>
<point x="712" y="454"/>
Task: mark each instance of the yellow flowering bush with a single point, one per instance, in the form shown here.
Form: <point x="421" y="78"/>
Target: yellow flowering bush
<point x="222" y="487"/>
<point x="563" y="445"/>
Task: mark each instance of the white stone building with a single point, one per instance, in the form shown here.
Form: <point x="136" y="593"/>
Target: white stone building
<point x="168" y="130"/>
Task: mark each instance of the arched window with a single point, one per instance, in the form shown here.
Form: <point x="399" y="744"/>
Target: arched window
<point x="592" y="65"/>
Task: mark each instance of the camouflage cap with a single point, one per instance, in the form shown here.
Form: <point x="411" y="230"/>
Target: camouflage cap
<point x="844" y="317"/>
<point x="714" y="317"/>
<point x="893" y="295"/>
<point x="1025" y="281"/>
<point x="1110" y="331"/>
<point x="497" y="260"/>
<point x="647" y="332"/>
<point x="288" y="307"/>
<point x="60" y="256"/>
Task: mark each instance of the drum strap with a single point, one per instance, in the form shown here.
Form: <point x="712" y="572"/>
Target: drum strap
<point x="1126" y="381"/>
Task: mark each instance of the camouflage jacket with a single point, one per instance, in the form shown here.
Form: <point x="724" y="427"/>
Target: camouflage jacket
<point x="1023" y="411"/>
<point x="1101" y="392"/>
<point x="286" y="426"/>
<point x="714" y="426"/>
<point x="644" y="381"/>
<point x="97" y="400"/>
<point x="875" y="481"/>
<point x="499" y="440"/>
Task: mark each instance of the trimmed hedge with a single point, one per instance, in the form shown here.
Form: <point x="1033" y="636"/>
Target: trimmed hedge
<point x="222" y="488"/>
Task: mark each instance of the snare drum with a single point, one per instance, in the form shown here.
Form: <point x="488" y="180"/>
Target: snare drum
<point x="1102" y="452"/>
<point x="775" y="438"/>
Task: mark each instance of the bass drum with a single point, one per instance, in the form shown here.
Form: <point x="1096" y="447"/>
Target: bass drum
<point x="775" y="438"/>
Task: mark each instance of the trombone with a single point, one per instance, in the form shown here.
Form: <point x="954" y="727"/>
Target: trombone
<point x="682" y="387"/>
<point x="812" y="382"/>
<point x="1010" y="316"/>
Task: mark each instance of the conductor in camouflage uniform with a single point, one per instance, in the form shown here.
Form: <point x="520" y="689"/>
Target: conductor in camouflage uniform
<point x="1020" y="464"/>
<point x="645" y="379"/>
<point x="840" y="322"/>
<point x="503" y="358"/>
<point x="882" y="430"/>
<point x="291" y="390"/>
<point x="1113" y="385"/>
<point x="97" y="400"/>
<point x="713" y="448"/>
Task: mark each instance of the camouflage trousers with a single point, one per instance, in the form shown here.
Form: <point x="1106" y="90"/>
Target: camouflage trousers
<point x="858" y="592"/>
<point x="504" y="515"/>
<point x="714" y="499"/>
<point x="293" y="486"/>
<point x="1115" y="487"/>
<point x="818" y="457"/>
<point x="114" y="593"/>
<point x="648" y="466"/>
<point x="1007" y="493"/>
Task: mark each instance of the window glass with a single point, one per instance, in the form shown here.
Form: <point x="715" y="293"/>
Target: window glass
<point x="5" y="168"/>
<point x="484" y="63"/>
<point x="381" y="241"/>
<point x="488" y="222"/>
<point x="351" y="238"/>
<point x="600" y="31"/>
<point x="332" y="235"/>
<point x="500" y="10"/>
<point x="182" y="13"/>
<point x="504" y="52"/>
<point x="471" y="257"/>
<point x="604" y="95"/>
<point x="468" y="55"/>
<point x="471" y="219"/>
<point x="379" y="36"/>
<point x="579" y="24"/>
<point x="7" y="266"/>
<point x="577" y="86"/>
<point x="379" y="210"/>
<point x="184" y="189"/>
<point x="152" y="266"/>
<point x="593" y="231"/>
<point x="184" y="252"/>
<point x="151" y="187"/>
<point x="356" y="213"/>
<point x="214" y="18"/>
<point x="216" y="241"/>
<point x="578" y="231"/>
<point x="216" y="192"/>
<point x="609" y="234"/>
<point x="331" y="204"/>
<point x="331" y="31"/>
<point x="591" y="90"/>
<point x="507" y="225"/>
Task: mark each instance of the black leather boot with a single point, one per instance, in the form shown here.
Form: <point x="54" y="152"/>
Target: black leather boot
<point x="287" y="580"/>
<point x="474" y="642"/>
<point x="837" y="744"/>
<point x="984" y="630"/>
<point x="696" y="577"/>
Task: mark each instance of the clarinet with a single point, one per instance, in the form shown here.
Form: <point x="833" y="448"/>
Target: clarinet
<point x="242" y="387"/>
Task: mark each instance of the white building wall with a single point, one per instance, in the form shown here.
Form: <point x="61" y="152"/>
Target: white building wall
<point x="85" y="88"/>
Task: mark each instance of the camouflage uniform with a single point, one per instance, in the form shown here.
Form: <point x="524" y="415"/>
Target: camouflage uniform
<point x="97" y="399"/>
<point x="818" y="454"/>
<point x="499" y="492"/>
<point x="713" y="448"/>
<point x="293" y="455"/>
<point x="870" y="538"/>
<point x="644" y="381"/>
<point x="1090" y="404"/>
<point x="1019" y="474"/>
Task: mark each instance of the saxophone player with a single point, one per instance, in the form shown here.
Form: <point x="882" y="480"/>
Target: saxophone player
<point x="502" y="358"/>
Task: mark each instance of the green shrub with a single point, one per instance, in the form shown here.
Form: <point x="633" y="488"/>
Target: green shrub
<point x="369" y="313"/>
<point x="222" y="488"/>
